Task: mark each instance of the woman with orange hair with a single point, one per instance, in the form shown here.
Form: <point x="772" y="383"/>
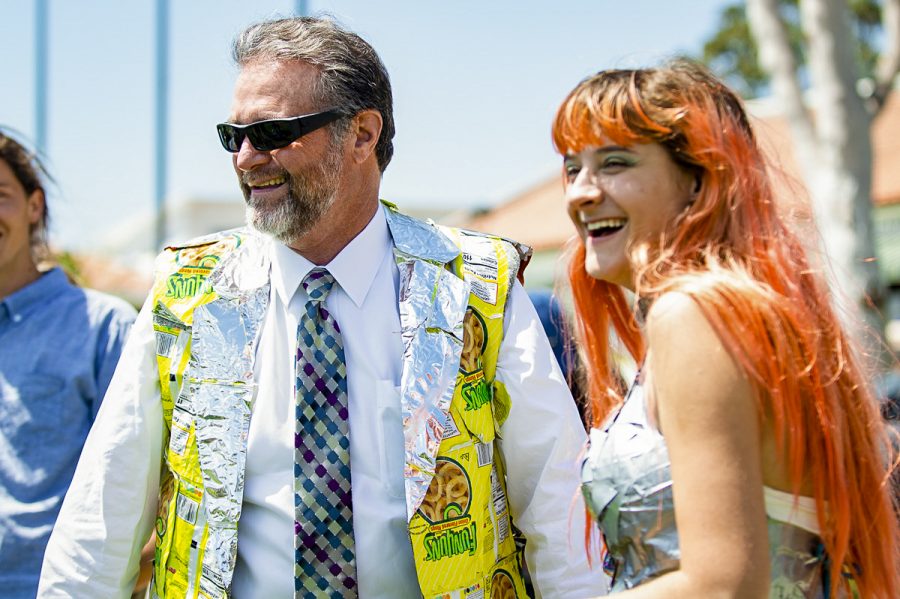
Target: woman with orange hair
<point x="748" y="458"/>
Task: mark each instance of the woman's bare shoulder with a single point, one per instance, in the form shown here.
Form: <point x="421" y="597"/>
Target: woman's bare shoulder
<point x="688" y="361"/>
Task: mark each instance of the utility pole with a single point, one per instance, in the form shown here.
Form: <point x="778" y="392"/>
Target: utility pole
<point x="41" y="44"/>
<point x="162" y="119"/>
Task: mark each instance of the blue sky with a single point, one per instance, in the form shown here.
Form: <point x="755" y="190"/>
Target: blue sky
<point x="475" y="83"/>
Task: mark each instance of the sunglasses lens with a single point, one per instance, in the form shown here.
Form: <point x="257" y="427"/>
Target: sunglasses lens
<point x="271" y="135"/>
<point x="230" y="136"/>
<point x="275" y="133"/>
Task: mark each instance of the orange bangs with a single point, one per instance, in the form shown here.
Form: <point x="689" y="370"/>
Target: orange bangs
<point x="606" y="106"/>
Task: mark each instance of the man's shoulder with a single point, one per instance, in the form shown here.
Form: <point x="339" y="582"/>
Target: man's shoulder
<point x="462" y="238"/>
<point x="229" y="238"/>
<point x="472" y="233"/>
<point x="205" y="252"/>
<point x="475" y="245"/>
<point x="197" y="258"/>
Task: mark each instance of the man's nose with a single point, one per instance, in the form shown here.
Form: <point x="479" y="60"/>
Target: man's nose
<point x="248" y="157"/>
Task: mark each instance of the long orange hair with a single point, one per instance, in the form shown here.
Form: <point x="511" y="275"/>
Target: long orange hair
<point x="733" y="253"/>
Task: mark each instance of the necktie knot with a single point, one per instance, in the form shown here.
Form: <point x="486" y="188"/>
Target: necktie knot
<point x="318" y="284"/>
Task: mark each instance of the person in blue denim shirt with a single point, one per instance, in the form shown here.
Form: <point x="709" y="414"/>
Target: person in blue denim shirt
<point x="59" y="345"/>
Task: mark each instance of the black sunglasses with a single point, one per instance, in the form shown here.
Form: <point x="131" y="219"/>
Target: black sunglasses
<point x="274" y="133"/>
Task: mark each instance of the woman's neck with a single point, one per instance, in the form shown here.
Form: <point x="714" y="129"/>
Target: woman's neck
<point x="17" y="275"/>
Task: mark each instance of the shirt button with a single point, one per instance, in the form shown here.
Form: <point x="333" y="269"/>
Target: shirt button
<point x="17" y="318"/>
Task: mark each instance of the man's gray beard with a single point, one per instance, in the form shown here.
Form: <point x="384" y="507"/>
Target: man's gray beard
<point x="309" y="197"/>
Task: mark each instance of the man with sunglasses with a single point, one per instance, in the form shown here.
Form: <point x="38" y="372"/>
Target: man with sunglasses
<point x="338" y="401"/>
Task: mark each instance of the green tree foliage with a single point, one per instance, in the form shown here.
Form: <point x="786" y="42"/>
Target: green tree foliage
<point x="731" y="51"/>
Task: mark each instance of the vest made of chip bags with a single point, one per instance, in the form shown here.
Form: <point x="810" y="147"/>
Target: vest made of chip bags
<point x="209" y="299"/>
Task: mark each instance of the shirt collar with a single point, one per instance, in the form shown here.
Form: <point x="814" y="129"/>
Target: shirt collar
<point x="48" y="285"/>
<point x="354" y="268"/>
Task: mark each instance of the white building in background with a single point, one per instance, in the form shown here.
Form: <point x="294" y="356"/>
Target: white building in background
<point x="186" y="218"/>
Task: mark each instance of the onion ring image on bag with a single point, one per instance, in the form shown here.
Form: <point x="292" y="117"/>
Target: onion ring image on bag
<point x="448" y="494"/>
<point x="197" y="257"/>
<point x="474" y="340"/>
<point x="167" y="490"/>
<point x="502" y="586"/>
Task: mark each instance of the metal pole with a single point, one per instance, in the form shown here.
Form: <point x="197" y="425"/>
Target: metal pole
<point x="302" y="9"/>
<point x="41" y="44"/>
<point x="162" y="117"/>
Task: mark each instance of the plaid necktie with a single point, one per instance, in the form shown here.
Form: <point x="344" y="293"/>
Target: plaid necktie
<point x="325" y="564"/>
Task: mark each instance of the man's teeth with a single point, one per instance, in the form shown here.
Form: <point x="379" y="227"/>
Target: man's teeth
<point x="606" y="223"/>
<point x="269" y="183"/>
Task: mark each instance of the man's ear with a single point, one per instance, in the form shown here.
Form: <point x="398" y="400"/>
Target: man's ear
<point x="366" y="127"/>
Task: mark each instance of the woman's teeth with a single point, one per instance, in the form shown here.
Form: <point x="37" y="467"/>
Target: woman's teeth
<point x="604" y="227"/>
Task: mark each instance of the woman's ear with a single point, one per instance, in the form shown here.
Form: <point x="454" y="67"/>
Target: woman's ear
<point x="35" y="202"/>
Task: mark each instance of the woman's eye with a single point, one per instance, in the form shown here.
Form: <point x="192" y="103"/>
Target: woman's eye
<point x="615" y="162"/>
<point x="571" y="171"/>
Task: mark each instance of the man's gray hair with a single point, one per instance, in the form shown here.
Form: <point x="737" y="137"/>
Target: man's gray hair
<point x="351" y="76"/>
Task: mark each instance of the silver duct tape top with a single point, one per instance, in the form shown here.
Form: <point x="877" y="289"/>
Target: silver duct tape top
<point x="627" y="485"/>
<point x="432" y="306"/>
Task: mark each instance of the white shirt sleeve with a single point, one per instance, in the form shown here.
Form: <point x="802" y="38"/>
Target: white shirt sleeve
<point x="542" y="440"/>
<point x="109" y="510"/>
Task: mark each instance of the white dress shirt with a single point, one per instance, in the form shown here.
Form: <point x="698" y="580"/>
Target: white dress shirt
<point x="111" y="505"/>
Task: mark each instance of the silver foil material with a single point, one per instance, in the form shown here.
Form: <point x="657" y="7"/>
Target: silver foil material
<point x="432" y="307"/>
<point x="221" y="391"/>
<point x="222" y="420"/>
<point x="627" y="484"/>
<point x="220" y="334"/>
<point x="418" y="239"/>
<point x="219" y="559"/>
<point x="246" y="269"/>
